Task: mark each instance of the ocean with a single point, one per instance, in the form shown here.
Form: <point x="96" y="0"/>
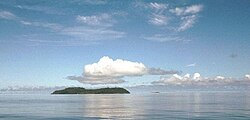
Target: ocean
<point x="165" y="106"/>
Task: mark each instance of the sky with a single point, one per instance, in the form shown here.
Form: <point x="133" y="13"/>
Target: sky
<point x="124" y="43"/>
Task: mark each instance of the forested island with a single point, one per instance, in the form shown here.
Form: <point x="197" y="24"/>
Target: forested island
<point x="80" y="90"/>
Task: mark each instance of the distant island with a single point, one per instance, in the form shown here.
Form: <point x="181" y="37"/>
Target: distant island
<point x="156" y="92"/>
<point x="80" y="90"/>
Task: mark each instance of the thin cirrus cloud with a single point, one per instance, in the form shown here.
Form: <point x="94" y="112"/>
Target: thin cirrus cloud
<point x="91" y="29"/>
<point x="163" y="14"/>
<point x="165" y="38"/>
<point x="95" y="2"/>
<point x="157" y="16"/>
<point x="173" y="19"/>
<point x="155" y="12"/>
<point x="94" y="28"/>
<point x="52" y="26"/>
<point x="197" y="79"/>
<point x="191" y="65"/>
<point x="158" y="19"/>
<point x="7" y="15"/>
<point x="159" y="7"/>
<point x="187" y="22"/>
<point x="188" y="16"/>
<point x="96" y="20"/>
<point x="193" y="9"/>
<point x="92" y="34"/>
<point x="109" y="71"/>
<point x="41" y="9"/>
<point x="12" y="17"/>
<point x="101" y="26"/>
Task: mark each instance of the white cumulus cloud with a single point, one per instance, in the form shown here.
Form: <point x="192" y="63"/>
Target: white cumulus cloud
<point x="247" y="76"/>
<point x="114" y="68"/>
<point x="109" y="71"/>
<point x="197" y="79"/>
<point x="219" y="78"/>
<point x="197" y="76"/>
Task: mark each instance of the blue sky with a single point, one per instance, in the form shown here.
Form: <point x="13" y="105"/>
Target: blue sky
<point x="42" y="42"/>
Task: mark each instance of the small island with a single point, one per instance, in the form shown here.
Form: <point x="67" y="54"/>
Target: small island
<point x="80" y="90"/>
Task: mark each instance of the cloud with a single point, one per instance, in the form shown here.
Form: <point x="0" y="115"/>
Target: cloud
<point x="158" y="7"/>
<point x="159" y="71"/>
<point x="31" y="88"/>
<point x="96" y="20"/>
<point x="41" y="9"/>
<point x="247" y="76"/>
<point x="165" y="38"/>
<point x="158" y="19"/>
<point x="96" y="80"/>
<point x="193" y="9"/>
<point x="191" y="65"/>
<point x="156" y="13"/>
<point x="219" y="78"/>
<point x="96" y="2"/>
<point x="109" y="71"/>
<point x="72" y="36"/>
<point x="197" y="79"/>
<point x="160" y="14"/>
<point x="115" y="68"/>
<point x="95" y="28"/>
<point x="177" y="11"/>
<point x="171" y="19"/>
<point x="52" y="26"/>
<point x="13" y="17"/>
<point x="187" y="22"/>
<point x="7" y="15"/>
<point x="188" y="16"/>
<point x="92" y="34"/>
<point x="92" y="29"/>
<point x="89" y="30"/>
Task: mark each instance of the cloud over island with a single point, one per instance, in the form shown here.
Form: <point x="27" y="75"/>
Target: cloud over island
<point x="109" y="71"/>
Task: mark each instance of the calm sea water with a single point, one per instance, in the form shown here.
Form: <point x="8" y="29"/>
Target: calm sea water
<point x="175" y="105"/>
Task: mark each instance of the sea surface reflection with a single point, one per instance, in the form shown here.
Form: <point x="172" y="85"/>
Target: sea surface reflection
<point x="174" y="105"/>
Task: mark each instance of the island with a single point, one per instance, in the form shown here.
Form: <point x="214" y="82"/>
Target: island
<point x="80" y="90"/>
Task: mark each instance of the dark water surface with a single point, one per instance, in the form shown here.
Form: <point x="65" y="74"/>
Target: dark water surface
<point x="174" y="105"/>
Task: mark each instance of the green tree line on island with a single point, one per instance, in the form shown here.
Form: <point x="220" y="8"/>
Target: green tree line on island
<point x="79" y="90"/>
